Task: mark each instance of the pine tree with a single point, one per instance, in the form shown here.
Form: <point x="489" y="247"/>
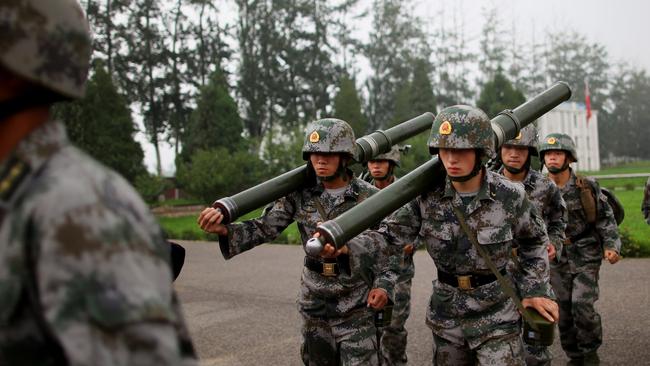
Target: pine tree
<point x="101" y="124"/>
<point x="215" y="122"/>
<point x="347" y="106"/>
<point x="498" y="94"/>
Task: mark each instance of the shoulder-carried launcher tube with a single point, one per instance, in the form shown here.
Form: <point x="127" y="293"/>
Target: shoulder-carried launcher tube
<point x="506" y="126"/>
<point x="368" y="147"/>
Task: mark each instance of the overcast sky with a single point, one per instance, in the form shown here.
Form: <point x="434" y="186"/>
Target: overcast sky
<point x="622" y="26"/>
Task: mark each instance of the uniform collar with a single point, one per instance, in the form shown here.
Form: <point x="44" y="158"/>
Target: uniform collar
<point x="352" y="189"/>
<point x="29" y="155"/>
<point x="41" y="144"/>
<point x="485" y="192"/>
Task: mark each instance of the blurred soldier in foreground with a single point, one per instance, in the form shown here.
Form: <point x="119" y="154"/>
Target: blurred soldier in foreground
<point x="392" y="344"/>
<point x="591" y="233"/>
<point x="340" y="288"/>
<point x="84" y="271"/>
<point x="515" y="156"/>
<point x="472" y="319"/>
<point x="645" y="205"/>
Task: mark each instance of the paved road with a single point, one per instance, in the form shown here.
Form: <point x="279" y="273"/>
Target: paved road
<point x="243" y="311"/>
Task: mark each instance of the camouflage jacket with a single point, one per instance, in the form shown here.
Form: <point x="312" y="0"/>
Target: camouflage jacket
<point x="370" y="265"/>
<point x="406" y="260"/>
<point x="587" y="252"/>
<point x="500" y="215"/>
<point x="645" y="205"/>
<point x="546" y="197"/>
<point x="84" y="271"/>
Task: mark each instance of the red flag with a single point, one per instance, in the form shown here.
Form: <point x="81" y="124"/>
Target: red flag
<point x="587" y="100"/>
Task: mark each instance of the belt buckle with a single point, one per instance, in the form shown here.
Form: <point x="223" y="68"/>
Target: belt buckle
<point x="464" y="282"/>
<point x="329" y="269"/>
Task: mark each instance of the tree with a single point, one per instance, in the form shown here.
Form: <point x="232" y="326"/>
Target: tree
<point x="422" y="98"/>
<point x="219" y="172"/>
<point x="573" y="59"/>
<point x="215" y="121"/>
<point x="347" y="106"/>
<point x="452" y="62"/>
<point x="146" y="84"/>
<point x="493" y="50"/>
<point x="498" y="94"/>
<point x="415" y="96"/>
<point x="629" y="116"/>
<point x="390" y="50"/>
<point x="101" y="124"/>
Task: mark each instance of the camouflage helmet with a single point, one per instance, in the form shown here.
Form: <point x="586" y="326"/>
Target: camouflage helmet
<point x="47" y="43"/>
<point x="527" y="137"/>
<point x="462" y="127"/>
<point x="329" y="135"/>
<point x="558" y="141"/>
<point x="393" y="155"/>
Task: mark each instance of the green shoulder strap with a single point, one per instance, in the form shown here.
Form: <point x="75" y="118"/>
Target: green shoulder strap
<point x="503" y="282"/>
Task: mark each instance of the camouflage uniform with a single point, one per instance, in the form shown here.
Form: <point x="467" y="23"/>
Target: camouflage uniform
<point x="547" y="199"/>
<point x="84" y="271"/>
<point x="575" y="276"/>
<point x="85" y="276"/>
<point x="480" y="324"/>
<point x="393" y="338"/>
<point x="645" y="205"/>
<point x="338" y="326"/>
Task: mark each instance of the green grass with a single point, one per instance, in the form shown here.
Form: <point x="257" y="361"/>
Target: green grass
<point x="634" y="230"/>
<point x="629" y="168"/>
<point x="185" y="227"/>
<point x="178" y="202"/>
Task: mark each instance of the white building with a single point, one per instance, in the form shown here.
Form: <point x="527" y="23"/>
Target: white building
<point x="571" y="118"/>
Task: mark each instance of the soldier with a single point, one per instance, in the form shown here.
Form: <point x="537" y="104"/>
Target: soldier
<point x="85" y="276"/>
<point x="591" y="233"/>
<point x="645" y="205"/>
<point x="339" y="288"/>
<point x="392" y="344"/>
<point x="473" y="321"/>
<point x="516" y="155"/>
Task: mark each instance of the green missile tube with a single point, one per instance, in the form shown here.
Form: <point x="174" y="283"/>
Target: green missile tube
<point x="368" y="147"/>
<point x="506" y="125"/>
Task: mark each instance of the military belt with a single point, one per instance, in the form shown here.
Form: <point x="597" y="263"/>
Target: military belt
<point x="575" y="238"/>
<point x="327" y="268"/>
<point x="467" y="281"/>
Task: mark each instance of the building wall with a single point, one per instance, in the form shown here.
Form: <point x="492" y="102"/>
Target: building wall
<point x="571" y="118"/>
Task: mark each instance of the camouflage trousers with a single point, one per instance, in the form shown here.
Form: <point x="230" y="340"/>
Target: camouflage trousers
<point x="340" y="342"/>
<point x="393" y="337"/>
<point x="537" y="356"/>
<point x="507" y="350"/>
<point x="581" y="331"/>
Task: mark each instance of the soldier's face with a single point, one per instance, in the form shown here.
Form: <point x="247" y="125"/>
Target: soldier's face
<point x="554" y="158"/>
<point x="378" y="168"/>
<point x="325" y="164"/>
<point x="457" y="162"/>
<point x="514" y="156"/>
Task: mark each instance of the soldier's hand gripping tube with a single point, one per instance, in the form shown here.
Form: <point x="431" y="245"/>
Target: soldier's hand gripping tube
<point x="506" y="126"/>
<point x="368" y="147"/>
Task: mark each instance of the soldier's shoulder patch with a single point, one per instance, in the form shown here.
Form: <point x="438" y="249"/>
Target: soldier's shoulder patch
<point x="314" y="137"/>
<point x="445" y="128"/>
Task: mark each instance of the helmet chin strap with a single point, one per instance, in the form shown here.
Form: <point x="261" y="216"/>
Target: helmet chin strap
<point x="341" y="171"/>
<point x="523" y="168"/>
<point x="554" y="170"/>
<point x="388" y="174"/>
<point x="473" y="173"/>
